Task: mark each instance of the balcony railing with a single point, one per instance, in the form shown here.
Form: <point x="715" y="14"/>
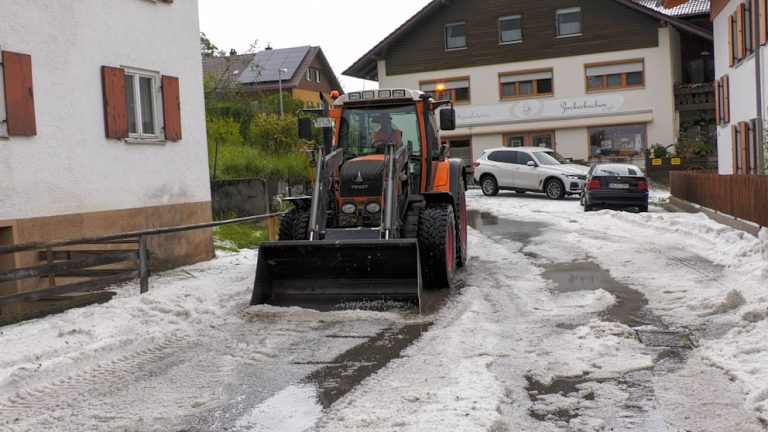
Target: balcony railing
<point x="690" y="97"/>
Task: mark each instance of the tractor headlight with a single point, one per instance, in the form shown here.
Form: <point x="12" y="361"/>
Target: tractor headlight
<point x="372" y="207"/>
<point x="348" y="208"/>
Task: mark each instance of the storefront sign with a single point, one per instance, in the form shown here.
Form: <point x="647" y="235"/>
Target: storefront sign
<point x="534" y="109"/>
<point x="656" y="162"/>
<point x="674" y="161"/>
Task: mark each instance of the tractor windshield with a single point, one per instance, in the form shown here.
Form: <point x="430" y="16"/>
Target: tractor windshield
<point x="367" y="130"/>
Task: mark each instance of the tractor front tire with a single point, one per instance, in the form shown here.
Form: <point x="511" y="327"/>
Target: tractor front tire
<point x="294" y="225"/>
<point x="437" y="240"/>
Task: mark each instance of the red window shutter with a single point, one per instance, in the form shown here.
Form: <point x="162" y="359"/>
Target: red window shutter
<point x="744" y="142"/>
<point x="115" y="102"/>
<point x="731" y="51"/>
<point x="726" y="100"/>
<point x="761" y="11"/>
<point x="718" y="110"/>
<point x="734" y="149"/>
<point x="171" y="108"/>
<point x="740" y="46"/>
<point x="19" y="96"/>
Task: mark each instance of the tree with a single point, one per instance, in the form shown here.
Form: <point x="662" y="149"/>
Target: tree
<point x="207" y="48"/>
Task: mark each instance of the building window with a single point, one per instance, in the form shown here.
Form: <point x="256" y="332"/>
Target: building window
<point x="568" y="22"/>
<point x="536" y="139"/>
<point x="741" y="33"/>
<point x="525" y="84"/>
<point x="617" y="141"/>
<point x="317" y="75"/>
<point x="309" y="74"/>
<point x="745" y="142"/>
<point x="140" y="96"/>
<point x="722" y="101"/>
<point x="510" y="29"/>
<point x="455" y="89"/>
<point x="613" y="76"/>
<point x="460" y="148"/>
<point x="455" y="36"/>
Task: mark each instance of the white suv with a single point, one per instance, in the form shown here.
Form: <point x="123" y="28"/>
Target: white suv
<point x="528" y="169"/>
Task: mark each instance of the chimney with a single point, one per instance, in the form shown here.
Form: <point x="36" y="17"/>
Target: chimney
<point x="268" y="48"/>
<point x="233" y="52"/>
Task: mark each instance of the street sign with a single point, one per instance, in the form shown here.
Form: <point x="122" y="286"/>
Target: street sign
<point x="323" y="122"/>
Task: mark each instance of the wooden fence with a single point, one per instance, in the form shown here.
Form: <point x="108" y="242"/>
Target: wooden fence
<point x="745" y="197"/>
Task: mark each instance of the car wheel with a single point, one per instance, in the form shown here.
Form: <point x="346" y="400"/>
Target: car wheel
<point x="583" y="200"/>
<point x="588" y="208"/>
<point x="489" y="186"/>
<point x="643" y="208"/>
<point x="554" y="189"/>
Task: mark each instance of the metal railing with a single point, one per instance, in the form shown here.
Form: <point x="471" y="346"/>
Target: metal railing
<point x="85" y="260"/>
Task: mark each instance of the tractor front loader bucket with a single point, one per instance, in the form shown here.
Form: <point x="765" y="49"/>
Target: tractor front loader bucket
<point x="350" y="268"/>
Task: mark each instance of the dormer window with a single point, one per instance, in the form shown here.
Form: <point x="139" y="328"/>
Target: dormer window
<point x="568" y="22"/>
<point x="455" y="36"/>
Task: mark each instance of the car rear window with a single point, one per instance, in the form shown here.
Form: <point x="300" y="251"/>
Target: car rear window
<point x="506" y="156"/>
<point x="617" y="170"/>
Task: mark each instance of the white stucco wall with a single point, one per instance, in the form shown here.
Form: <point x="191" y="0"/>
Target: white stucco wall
<point x="70" y="167"/>
<point x="653" y="104"/>
<point x="742" y="87"/>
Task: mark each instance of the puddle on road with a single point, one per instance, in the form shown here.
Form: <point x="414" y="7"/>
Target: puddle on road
<point x="564" y="386"/>
<point x="349" y="369"/>
<point x="586" y="276"/>
<point x="494" y="226"/>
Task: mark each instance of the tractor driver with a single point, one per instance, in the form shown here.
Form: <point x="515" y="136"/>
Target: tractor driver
<point x="387" y="132"/>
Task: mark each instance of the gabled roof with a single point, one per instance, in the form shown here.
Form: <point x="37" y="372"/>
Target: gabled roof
<point x="678" y="9"/>
<point x="365" y="67"/>
<point x="262" y="68"/>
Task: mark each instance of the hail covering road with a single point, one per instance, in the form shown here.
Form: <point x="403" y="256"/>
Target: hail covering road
<point x="550" y="330"/>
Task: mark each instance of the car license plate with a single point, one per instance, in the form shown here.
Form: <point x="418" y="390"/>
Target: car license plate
<point x="618" y="185"/>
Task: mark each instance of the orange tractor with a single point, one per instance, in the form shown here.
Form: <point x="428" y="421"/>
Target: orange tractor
<point x="387" y="216"/>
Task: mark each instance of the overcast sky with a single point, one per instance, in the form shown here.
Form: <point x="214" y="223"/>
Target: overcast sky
<point x="344" y="29"/>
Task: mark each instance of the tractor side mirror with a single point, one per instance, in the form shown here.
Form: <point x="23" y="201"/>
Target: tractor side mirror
<point x="305" y="128"/>
<point x="447" y="119"/>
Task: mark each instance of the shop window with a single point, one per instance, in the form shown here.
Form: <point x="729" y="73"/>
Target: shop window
<point x="455" y="36"/>
<point x="525" y="84"/>
<point x="615" y="76"/>
<point x="568" y="22"/>
<point x="455" y="89"/>
<point x="511" y="29"/>
<point x="536" y="139"/>
<point x="617" y="141"/>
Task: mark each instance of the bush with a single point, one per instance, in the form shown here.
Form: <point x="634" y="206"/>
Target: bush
<point x="243" y="161"/>
<point x="271" y="133"/>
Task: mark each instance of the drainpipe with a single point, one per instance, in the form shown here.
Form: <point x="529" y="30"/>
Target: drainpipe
<point x="759" y="151"/>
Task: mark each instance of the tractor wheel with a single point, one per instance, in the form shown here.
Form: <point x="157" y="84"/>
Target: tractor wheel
<point x="294" y="225"/>
<point x="461" y="228"/>
<point x="437" y="241"/>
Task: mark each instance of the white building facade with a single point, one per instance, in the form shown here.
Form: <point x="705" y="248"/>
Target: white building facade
<point x="741" y="60"/>
<point x="102" y="123"/>
<point x="626" y="121"/>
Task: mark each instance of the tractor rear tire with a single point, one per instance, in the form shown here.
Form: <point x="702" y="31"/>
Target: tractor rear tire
<point x="461" y="228"/>
<point x="294" y="225"/>
<point x="437" y="240"/>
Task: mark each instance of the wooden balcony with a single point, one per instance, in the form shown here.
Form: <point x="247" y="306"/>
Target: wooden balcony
<point x="693" y="97"/>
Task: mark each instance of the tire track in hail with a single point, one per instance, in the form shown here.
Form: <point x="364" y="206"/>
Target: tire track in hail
<point x="69" y="391"/>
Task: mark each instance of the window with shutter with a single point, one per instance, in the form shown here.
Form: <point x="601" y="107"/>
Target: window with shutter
<point x="19" y="94"/>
